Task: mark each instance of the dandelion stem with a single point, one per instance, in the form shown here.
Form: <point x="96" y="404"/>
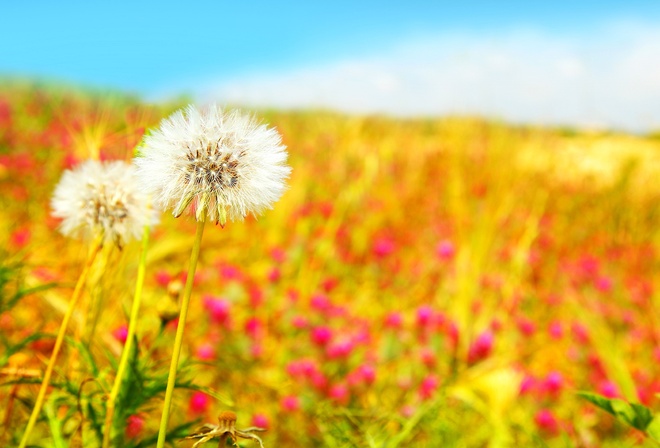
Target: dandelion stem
<point x="128" y="346"/>
<point x="77" y="292"/>
<point x="176" y="351"/>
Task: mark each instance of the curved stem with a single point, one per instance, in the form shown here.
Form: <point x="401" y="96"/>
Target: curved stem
<point x="128" y="346"/>
<point x="176" y="351"/>
<point x="77" y="292"/>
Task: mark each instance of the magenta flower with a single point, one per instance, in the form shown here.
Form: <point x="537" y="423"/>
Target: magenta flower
<point x="198" y="403"/>
<point x="290" y="403"/>
<point x="445" y="250"/>
<point x="321" y="335"/>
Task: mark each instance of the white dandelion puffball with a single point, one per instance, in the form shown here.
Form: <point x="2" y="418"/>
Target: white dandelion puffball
<point x="103" y="197"/>
<point x="217" y="164"/>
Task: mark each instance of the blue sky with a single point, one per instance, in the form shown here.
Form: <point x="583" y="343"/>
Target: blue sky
<point x="586" y="63"/>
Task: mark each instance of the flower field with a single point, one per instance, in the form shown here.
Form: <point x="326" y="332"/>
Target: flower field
<point x="422" y="283"/>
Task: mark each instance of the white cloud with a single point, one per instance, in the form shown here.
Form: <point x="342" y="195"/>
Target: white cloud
<point x="610" y="78"/>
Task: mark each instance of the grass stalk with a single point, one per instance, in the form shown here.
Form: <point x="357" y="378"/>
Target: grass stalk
<point x="128" y="346"/>
<point x="176" y="351"/>
<point x="77" y="292"/>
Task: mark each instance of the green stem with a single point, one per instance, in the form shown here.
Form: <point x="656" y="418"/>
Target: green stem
<point x="128" y="346"/>
<point x="176" y="351"/>
<point x="77" y="292"/>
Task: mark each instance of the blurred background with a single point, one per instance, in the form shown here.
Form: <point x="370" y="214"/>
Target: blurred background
<point x="588" y="64"/>
<point x="463" y="280"/>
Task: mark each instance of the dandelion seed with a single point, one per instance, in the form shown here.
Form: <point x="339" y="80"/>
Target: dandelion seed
<point x="216" y="164"/>
<point x="102" y="197"/>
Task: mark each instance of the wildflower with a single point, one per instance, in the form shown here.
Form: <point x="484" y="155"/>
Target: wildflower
<point x="290" y="403"/>
<point x="445" y="250"/>
<point x="553" y="382"/>
<point x="424" y="315"/>
<point x="205" y="352"/>
<point x="121" y="333"/>
<point x="339" y="393"/>
<point x="383" y="247"/>
<point x="260" y="420"/>
<point x="199" y="403"/>
<point x="218" y="164"/>
<point x="394" y="320"/>
<point x="321" y="335"/>
<point x="481" y="348"/>
<point x="546" y="421"/>
<point x="219" y="310"/>
<point x="428" y="386"/>
<point x="134" y="426"/>
<point x="608" y="389"/>
<point x="225" y="429"/>
<point x="102" y="197"/>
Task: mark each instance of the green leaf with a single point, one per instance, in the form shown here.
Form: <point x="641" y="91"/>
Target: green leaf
<point x="643" y="416"/>
<point x="633" y="414"/>
<point x="653" y="429"/>
<point x="598" y="400"/>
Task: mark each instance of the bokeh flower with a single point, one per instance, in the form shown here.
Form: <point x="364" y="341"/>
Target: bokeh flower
<point x="102" y="197"/>
<point x="219" y="164"/>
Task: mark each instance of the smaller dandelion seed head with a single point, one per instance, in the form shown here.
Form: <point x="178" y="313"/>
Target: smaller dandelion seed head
<point x="102" y="197"/>
<point x="218" y="164"/>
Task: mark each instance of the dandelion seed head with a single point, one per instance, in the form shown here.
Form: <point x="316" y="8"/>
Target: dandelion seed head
<point x="97" y="197"/>
<point x="217" y="164"/>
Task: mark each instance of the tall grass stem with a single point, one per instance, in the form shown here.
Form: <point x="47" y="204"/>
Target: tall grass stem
<point x="77" y="292"/>
<point x="128" y="346"/>
<point x="176" y="350"/>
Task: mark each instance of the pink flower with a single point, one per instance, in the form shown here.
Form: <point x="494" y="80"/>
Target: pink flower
<point x="428" y="386"/>
<point x="205" y="352"/>
<point x="134" y="426"/>
<point x="290" y="403"/>
<point x="546" y="421"/>
<point x="603" y="284"/>
<point x="553" y="382"/>
<point x="608" y="389"/>
<point x="279" y="255"/>
<point x="218" y="309"/>
<point x="274" y="275"/>
<point x="383" y="247"/>
<point x="163" y="278"/>
<point x="580" y="333"/>
<point x="527" y="384"/>
<point x="321" y="335"/>
<point x="428" y="357"/>
<point x="481" y="347"/>
<point x="229" y="272"/>
<point x="329" y="284"/>
<point x="368" y="373"/>
<point x="393" y="320"/>
<point x="319" y="380"/>
<point x="526" y="326"/>
<point x="260" y="421"/>
<point x="256" y="297"/>
<point x="339" y="393"/>
<point x="254" y="327"/>
<point x="256" y="350"/>
<point x="339" y="350"/>
<point x="199" y="403"/>
<point x="321" y="303"/>
<point x="21" y="237"/>
<point x="445" y="250"/>
<point x="121" y="333"/>
<point x="424" y="315"/>
<point x="407" y="411"/>
<point x="555" y="329"/>
<point x="299" y="322"/>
